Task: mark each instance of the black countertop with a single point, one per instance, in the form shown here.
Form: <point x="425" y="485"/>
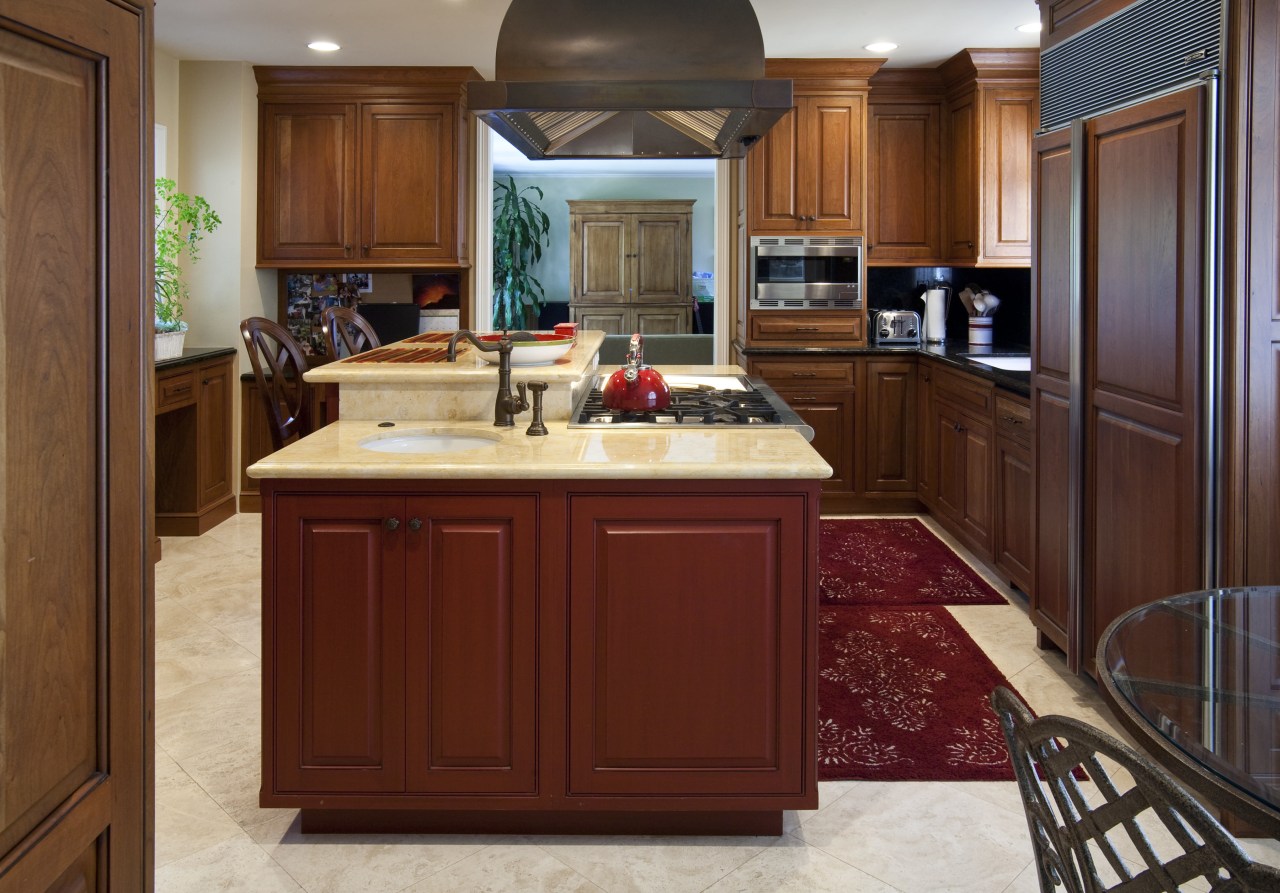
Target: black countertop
<point x="194" y="355"/>
<point x="953" y="353"/>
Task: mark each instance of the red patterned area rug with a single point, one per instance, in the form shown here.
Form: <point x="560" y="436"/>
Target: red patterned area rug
<point x="903" y="696"/>
<point x="893" y="562"/>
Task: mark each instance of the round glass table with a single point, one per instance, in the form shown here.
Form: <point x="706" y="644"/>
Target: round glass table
<point x="1196" y="678"/>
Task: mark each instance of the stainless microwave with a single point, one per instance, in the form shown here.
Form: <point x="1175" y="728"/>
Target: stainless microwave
<point x="806" y="273"/>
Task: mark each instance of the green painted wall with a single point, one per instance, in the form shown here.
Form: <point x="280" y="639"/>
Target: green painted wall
<point x="553" y="271"/>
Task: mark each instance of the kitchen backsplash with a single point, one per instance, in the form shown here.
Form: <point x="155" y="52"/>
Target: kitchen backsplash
<point x="900" y="288"/>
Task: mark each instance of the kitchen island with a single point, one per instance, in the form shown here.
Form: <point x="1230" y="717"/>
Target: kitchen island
<point x="589" y="632"/>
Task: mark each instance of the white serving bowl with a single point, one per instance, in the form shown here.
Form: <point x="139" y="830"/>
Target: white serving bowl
<point x="547" y="349"/>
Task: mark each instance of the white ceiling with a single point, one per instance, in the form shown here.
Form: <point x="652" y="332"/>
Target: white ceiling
<point x="465" y="32"/>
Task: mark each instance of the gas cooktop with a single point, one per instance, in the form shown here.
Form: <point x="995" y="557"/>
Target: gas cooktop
<point x="722" y="401"/>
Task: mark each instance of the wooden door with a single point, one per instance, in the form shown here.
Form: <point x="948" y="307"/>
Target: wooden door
<point x="948" y="459"/>
<point x="76" y="733"/>
<point x="889" y="439"/>
<point x="830" y="415"/>
<point x="773" y="174"/>
<point x="598" y="259"/>
<point x="335" y="611"/>
<point x="926" y="422"/>
<point x="1143" y="298"/>
<point x="213" y="424"/>
<point x="651" y="709"/>
<point x="603" y="318"/>
<point x="1013" y="543"/>
<point x="662" y="320"/>
<point x="1010" y="116"/>
<point x="307" y="205"/>
<point x="471" y="665"/>
<point x="904" y="199"/>
<point x="661" y="252"/>
<point x="407" y="182"/>
<point x="961" y="178"/>
<point x="1051" y="610"/>
<point x="831" y="162"/>
<point x="977" y="515"/>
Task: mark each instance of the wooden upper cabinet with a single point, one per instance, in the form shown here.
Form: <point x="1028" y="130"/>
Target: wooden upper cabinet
<point x="991" y="114"/>
<point x="807" y="173"/>
<point x="904" y="222"/>
<point x="362" y="166"/>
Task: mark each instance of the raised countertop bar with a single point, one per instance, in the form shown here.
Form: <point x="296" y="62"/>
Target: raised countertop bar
<point x="567" y="453"/>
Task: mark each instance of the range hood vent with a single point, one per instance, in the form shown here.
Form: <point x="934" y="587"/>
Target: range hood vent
<point x="611" y="79"/>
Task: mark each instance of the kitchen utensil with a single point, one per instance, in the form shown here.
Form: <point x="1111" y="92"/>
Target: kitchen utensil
<point x="980" y="305"/>
<point x="532" y="348"/>
<point x="992" y="303"/>
<point x="636" y="387"/>
<point x="966" y="298"/>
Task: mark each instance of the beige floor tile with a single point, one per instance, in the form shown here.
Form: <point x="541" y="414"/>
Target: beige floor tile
<point x="203" y="654"/>
<point x="828" y="792"/>
<point x="187" y="818"/>
<point x="173" y="620"/>
<point x="654" y="864"/>
<point x="790" y="866"/>
<point x="247" y="634"/>
<point x="1027" y="881"/>
<point x="197" y="575"/>
<point x="241" y="531"/>
<point x="366" y="863"/>
<point x="513" y="866"/>
<point x="923" y="837"/>
<point x="210" y="715"/>
<point x="237" y="865"/>
<point x="224" y="606"/>
<point x="1002" y="632"/>
<point x="232" y="775"/>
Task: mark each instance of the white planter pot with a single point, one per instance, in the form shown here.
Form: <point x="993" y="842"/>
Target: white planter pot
<point x="169" y="345"/>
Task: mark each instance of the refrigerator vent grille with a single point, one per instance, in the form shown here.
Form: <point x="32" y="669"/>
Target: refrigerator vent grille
<point x="1140" y="50"/>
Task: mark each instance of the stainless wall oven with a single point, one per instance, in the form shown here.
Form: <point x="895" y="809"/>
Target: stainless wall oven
<point x="806" y="273"/>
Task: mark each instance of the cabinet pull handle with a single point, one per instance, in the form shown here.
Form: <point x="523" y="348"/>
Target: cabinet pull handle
<point x="393" y="523"/>
<point x="802" y="399"/>
<point x="346" y="248"/>
<point x="804" y="375"/>
<point x="808" y="328"/>
<point x="1011" y="419"/>
<point x="415" y="524"/>
<point x="204" y="381"/>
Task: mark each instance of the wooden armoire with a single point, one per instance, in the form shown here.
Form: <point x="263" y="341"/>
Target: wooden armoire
<point x="75" y="455"/>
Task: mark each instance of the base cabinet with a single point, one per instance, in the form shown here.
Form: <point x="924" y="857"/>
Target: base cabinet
<point x="640" y="654"/>
<point x="193" y="447"/>
<point x="405" y="634"/>
<point x="1015" y="502"/>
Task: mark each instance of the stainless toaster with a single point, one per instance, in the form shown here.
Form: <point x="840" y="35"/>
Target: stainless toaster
<point x="897" y="327"/>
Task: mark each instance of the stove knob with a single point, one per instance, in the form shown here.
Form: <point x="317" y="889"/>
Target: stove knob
<point x="911" y="332"/>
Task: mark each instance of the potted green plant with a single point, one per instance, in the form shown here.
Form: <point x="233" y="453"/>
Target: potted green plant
<point x="181" y="221"/>
<point x="520" y="230"/>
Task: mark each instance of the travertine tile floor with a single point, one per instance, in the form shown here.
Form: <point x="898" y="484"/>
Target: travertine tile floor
<point x="911" y="837"/>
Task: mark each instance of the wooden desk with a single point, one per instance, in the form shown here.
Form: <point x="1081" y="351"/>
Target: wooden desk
<point x="193" y="441"/>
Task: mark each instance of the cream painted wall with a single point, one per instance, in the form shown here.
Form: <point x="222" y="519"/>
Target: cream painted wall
<point x="214" y="123"/>
<point x="166" y="111"/>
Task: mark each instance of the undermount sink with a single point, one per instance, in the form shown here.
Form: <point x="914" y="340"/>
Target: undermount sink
<point x="428" y="441"/>
<point x="1009" y="364"/>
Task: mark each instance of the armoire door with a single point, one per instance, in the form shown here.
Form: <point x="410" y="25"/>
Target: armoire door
<point x="1142" y="315"/>
<point x="599" y="257"/>
<point x="75" y="486"/>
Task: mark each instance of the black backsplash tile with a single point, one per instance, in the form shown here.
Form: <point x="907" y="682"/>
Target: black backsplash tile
<point x="901" y="288"/>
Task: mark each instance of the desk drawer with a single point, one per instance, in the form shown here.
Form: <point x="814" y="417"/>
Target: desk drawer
<point x="964" y="390"/>
<point x="792" y="373"/>
<point x="803" y="327"/>
<point x="175" y="391"/>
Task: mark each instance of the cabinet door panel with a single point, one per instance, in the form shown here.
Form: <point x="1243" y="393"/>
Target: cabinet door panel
<point x="904" y="222"/>
<point x="610" y="320"/>
<point x="213" y="459"/>
<point x="834" y="162"/>
<point x="407" y="150"/>
<point x="927" y="452"/>
<point x="662" y="320"/>
<point x="337" y="612"/>
<point x="773" y="169"/>
<point x="656" y="697"/>
<point x="601" y="257"/>
<point x="1009" y="119"/>
<point x="307" y="193"/>
<point x="830" y="415"/>
<point x="889" y="441"/>
<point x="1013" y="546"/>
<point x="471" y="614"/>
<point x="1049" y="601"/>
<point x="948" y="449"/>
<point x="976" y="519"/>
<point x="661" y="250"/>
<point x="962" y="172"/>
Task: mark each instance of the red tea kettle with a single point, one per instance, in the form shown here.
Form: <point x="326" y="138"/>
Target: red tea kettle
<point x="636" y="387"/>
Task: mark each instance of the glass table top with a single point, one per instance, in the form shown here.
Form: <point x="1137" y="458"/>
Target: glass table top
<point x="1203" y="671"/>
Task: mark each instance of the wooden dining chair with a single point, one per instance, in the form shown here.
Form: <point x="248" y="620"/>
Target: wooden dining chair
<point x="1139" y="832"/>
<point x="278" y="364"/>
<point x="346" y="333"/>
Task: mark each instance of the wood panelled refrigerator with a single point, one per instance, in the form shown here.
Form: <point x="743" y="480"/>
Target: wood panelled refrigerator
<point x="1125" y="319"/>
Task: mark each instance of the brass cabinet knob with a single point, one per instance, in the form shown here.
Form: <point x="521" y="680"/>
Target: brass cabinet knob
<point x="393" y="523"/>
<point x="415" y="524"/>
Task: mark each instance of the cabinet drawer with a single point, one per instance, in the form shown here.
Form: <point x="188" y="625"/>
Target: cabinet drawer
<point x="1013" y="418"/>
<point x="800" y="372"/>
<point x="175" y="391"/>
<point x="962" y="390"/>
<point x="801" y="327"/>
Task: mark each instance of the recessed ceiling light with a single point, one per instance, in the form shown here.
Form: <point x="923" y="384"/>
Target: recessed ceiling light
<point x="1030" y="28"/>
<point x="323" y="46"/>
<point x="880" y="46"/>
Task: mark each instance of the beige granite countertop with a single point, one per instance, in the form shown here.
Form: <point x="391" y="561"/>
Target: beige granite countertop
<point x="470" y="369"/>
<point x="699" y="453"/>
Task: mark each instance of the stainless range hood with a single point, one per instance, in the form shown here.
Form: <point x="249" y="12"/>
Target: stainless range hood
<point x="615" y="79"/>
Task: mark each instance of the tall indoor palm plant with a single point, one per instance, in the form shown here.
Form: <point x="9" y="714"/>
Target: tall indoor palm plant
<point x="520" y="230"/>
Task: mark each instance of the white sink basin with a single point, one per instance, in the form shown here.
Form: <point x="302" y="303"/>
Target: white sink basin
<point x="1009" y="364"/>
<point x="428" y="441"/>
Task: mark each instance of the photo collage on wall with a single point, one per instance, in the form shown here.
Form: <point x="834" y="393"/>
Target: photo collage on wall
<point x="310" y="293"/>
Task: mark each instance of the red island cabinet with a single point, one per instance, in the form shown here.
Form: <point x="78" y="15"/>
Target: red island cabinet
<point x="508" y="656"/>
<point x="402" y="643"/>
